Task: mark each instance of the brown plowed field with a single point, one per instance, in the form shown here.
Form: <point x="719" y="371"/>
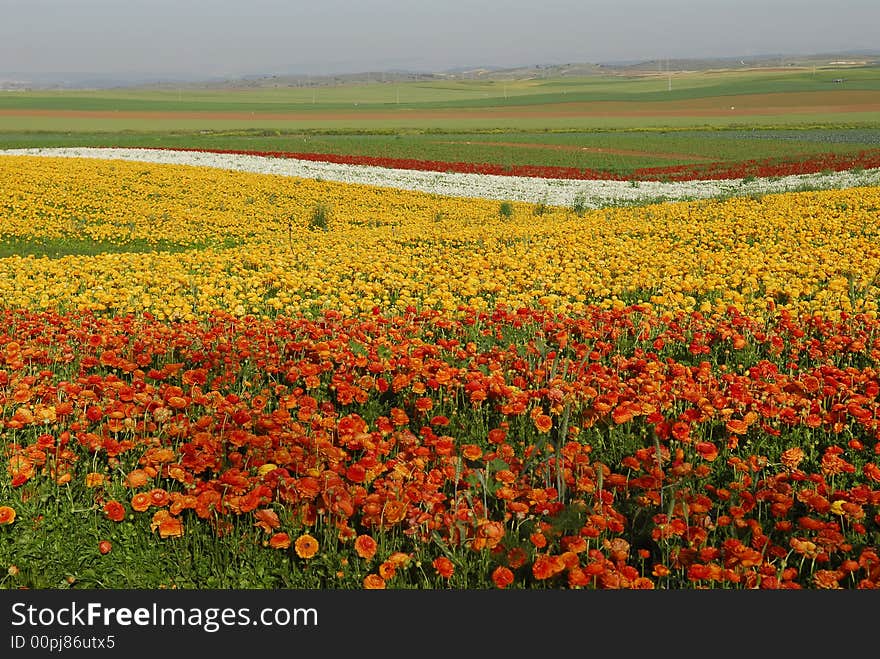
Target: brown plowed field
<point x="837" y="101"/>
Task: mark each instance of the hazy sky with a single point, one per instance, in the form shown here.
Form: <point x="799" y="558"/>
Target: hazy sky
<point x="236" y="37"/>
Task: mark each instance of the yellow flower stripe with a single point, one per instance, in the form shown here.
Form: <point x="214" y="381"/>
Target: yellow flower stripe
<point x="807" y="251"/>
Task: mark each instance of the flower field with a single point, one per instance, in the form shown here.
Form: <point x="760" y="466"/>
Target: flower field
<point x="274" y="379"/>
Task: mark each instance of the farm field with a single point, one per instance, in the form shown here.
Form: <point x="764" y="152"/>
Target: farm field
<point x="614" y="125"/>
<point x="218" y="378"/>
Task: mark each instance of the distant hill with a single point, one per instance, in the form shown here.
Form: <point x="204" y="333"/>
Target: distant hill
<point x="14" y="81"/>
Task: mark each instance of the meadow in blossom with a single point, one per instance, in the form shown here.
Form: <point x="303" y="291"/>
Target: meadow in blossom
<point x="179" y="241"/>
<point x="229" y="379"/>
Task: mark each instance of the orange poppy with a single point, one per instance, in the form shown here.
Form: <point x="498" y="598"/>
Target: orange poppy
<point x="140" y="502"/>
<point x="387" y="570"/>
<point x="136" y="478"/>
<point x="394" y="511"/>
<point x="7" y="515"/>
<point x="707" y="450"/>
<point x="546" y="566"/>
<point x="374" y="582"/>
<point x="306" y="546"/>
<point x="489" y="534"/>
<point x="472" y="451"/>
<point x="169" y="526"/>
<point x="267" y="519"/>
<point x="94" y="479"/>
<point x="159" y="497"/>
<point x="114" y="511"/>
<point x="443" y="566"/>
<point x="792" y="457"/>
<point x="827" y="579"/>
<point x="365" y="547"/>
<point x="543" y="423"/>
<point x="279" y="541"/>
<point x="502" y="577"/>
<point x="737" y="426"/>
<point x="538" y="539"/>
<point x="577" y="578"/>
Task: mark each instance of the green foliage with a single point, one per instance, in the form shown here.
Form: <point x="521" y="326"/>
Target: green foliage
<point x="579" y="204"/>
<point x="320" y="216"/>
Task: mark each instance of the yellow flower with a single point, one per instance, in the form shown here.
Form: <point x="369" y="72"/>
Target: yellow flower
<point x="306" y="546"/>
<point x="837" y="507"/>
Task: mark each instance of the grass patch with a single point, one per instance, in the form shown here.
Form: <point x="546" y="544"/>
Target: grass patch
<point x="55" y="248"/>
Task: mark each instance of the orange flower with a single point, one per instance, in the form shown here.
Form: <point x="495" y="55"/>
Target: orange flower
<point x="399" y="559"/>
<point x="472" y="451"/>
<point x="577" y="578"/>
<point x="538" y="539"/>
<point x="502" y="577"/>
<point x="365" y="547"/>
<point x="827" y="579"/>
<point x="574" y="543"/>
<point x="737" y="426"/>
<point x="497" y="435"/>
<point x="387" y="570"/>
<point x="488" y="535"/>
<point x="7" y="515"/>
<point x="114" y="511"/>
<point x="546" y="566"/>
<point x="792" y="457"/>
<point x="374" y="582"/>
<point x="140" y="502"/>
<point x="306" y="546"/>
<point x="279" y="541"/>
<point x="137" y="478"/>
<point x="267" y="519"/>
<point x="394" y="511"/>
<point x="94" y="479"/>
<point x="105" y="546"/>
<point x="707" y="450"/>
<point x="444" y="567"/>
<point x="543" y="423"/>
<point x="169" y="526"/>
<point x="159" y="497"/>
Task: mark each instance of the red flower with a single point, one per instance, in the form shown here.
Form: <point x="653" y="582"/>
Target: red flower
<point x="279" y="541"/>
<point x="502" y="577"/>
<point x="365" y="547"/>
<point x="707" y="450"/>
<point x="546" y="566"/>
<point x="444" y="567"/>
<point x="114" y="511"/>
